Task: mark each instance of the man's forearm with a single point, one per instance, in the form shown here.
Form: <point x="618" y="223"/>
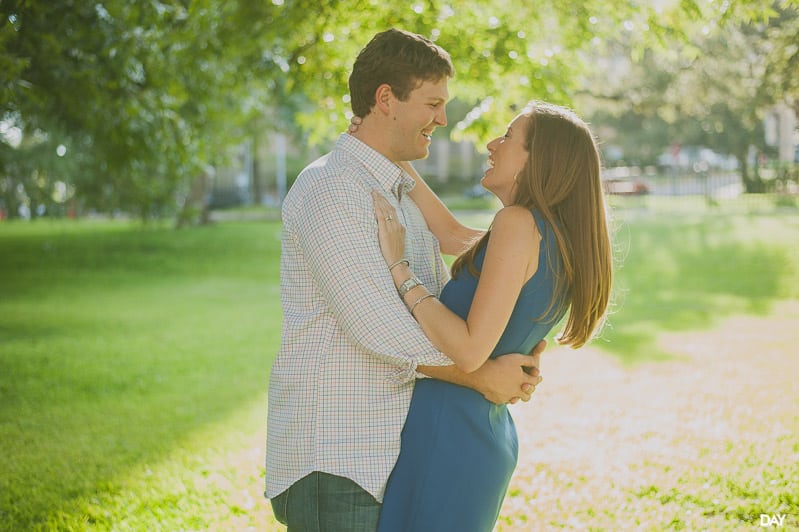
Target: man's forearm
<point x="452" y="375"/>
<point x="501" y="380"/>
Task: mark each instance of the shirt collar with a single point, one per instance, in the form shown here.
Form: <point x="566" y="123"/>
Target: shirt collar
<point x="390" y="176"/>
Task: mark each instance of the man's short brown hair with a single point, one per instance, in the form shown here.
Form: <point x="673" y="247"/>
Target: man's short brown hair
<point x="399" y="58"/>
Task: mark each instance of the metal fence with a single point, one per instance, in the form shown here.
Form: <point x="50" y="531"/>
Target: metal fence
<point x="682" y="189"/>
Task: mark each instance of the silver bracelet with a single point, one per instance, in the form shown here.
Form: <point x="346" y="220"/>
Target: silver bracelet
<point x="407" y="263"/>
<point x="419" y="301"/>
<point x="409" y="284"/>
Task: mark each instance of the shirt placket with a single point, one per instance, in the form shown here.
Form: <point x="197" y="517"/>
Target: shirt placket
<point x="407" y="222"/>
<point x="421" y="256"/>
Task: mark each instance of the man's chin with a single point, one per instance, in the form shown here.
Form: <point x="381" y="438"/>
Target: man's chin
<point x="417" y="155"/>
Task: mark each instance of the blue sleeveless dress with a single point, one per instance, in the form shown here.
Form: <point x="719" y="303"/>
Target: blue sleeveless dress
<point x="458" y="449"/>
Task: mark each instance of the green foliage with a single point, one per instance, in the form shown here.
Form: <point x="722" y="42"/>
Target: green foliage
<point x="144" y="95"/>
<point x="502" y="50"/>
<point x="712" y="89"/>
<point x="782" y="64"/>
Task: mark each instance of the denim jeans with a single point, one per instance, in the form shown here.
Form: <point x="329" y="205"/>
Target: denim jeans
<point x="321" y="502"/>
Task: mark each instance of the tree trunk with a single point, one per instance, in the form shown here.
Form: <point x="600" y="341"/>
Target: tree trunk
<point x="257" y="186"/>
<point x="753" y="184"/>
<point x="8" y="201"/>
<point x="195" y="208"/>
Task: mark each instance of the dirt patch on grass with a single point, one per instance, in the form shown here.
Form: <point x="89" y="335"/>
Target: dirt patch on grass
<point x="707" y="441"/>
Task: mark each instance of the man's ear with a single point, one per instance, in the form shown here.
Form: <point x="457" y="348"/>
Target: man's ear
<point x="384" y="98"/>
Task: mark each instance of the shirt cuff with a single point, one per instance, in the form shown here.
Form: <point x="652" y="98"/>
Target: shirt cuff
<point x="408" y="373"/>
<point x="404" y="375"/>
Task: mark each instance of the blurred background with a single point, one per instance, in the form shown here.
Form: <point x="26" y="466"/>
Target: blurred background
<point x="157" y="109"/>
<point x="134" y="357"/>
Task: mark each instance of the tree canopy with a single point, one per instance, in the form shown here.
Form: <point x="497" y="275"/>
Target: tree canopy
<point x="121" y="104"/>
<point x="713" y="89"/>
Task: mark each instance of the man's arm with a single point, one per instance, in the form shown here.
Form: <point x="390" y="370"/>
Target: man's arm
<point x="500" y="380"/>
<point x="335" y="232"/>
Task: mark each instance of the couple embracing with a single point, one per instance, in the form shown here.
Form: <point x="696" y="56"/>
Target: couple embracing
<point x="388" y="396"/>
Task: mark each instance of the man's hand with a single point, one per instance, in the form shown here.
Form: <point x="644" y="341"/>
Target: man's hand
<point x="536" y="354"/>
<point x="504" y="379"/>
<point x="498" y="380"/>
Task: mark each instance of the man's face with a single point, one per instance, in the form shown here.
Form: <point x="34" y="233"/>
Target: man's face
<point x="415" y="119"/>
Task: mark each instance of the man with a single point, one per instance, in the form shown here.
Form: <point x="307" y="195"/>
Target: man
<point x="342" y="381"/>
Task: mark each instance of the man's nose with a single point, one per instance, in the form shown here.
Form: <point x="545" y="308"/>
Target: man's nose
<point x="441" y="117"/>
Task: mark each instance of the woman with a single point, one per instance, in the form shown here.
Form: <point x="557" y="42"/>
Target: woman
<point x="547" y="251"/>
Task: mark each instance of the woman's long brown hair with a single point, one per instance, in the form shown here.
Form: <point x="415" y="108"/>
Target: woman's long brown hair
<point x="561" y="180"/>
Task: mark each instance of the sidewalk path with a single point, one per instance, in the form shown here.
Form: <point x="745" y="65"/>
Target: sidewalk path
<point x="663" y="445"/>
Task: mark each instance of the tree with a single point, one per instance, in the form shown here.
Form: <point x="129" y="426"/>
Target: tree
<point x="139" y="94"/>
<point x="782" y="60"/>
<point x="714" y="89"/>
<point x="140" y="97"/>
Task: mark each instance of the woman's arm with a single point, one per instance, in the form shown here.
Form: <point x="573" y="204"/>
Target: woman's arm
<point x="453" y="236"/>
<point x="501" y="380"/>
<point x="511" y="259"/>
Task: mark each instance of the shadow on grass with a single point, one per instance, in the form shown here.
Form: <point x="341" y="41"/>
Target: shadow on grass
<point x="116" y="345"/>
<point x="687" y="274"/>
<point x="117" y="342"/>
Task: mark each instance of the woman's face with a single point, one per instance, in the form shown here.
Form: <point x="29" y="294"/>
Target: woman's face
<point x="507" y="156"/>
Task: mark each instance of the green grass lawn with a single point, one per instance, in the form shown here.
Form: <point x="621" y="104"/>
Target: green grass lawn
<point x="120" y="348"/>
<point x="689" y="270"/>
<point x="133" y="359"/>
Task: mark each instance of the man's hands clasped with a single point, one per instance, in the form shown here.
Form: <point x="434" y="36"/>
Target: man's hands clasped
<point x="505" y="380"/>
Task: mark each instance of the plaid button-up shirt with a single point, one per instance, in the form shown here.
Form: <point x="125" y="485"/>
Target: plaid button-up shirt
<point x="342" y="381"/>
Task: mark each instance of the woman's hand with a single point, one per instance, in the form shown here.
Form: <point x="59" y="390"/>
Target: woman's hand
<point x="390" y="231"/>
<point x="355" y="121"/>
